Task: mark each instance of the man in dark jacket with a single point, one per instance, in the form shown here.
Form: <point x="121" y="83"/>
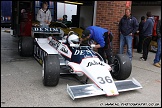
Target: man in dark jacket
<point x="102" y="38"/>
<point x="143" y="20"/>
<point x="158" y="52"/>
<point x="147" y="33"/>
<point x="128" y="26"/>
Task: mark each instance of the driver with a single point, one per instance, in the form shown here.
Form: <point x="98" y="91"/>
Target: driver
<point x="103" y="38"/>
<point x="73" y="40"/>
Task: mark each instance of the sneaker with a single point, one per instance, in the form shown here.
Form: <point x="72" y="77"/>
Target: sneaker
<point x="142" y="59"/>
<point x="157" y="65"/>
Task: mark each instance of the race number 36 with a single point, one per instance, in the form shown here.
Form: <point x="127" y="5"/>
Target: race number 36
<point x="104" y="80"/>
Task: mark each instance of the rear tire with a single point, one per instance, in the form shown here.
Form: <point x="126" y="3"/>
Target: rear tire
<point x="25" y="46"/>
<point x="51" y="70"/>
<point x="122" y="67"/>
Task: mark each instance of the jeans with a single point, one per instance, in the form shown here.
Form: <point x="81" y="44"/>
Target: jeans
<point x="158" y="53"/>
<point x="126" y="40"/>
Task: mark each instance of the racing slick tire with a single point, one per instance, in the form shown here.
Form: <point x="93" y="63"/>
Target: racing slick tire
<point x="25" y="46"/>
<point x="122" y="67"/>
<point x="51" y="70"/>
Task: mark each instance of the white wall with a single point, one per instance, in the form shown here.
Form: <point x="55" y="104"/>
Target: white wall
<point x="86" y="16"/>
<point x="66" y="9"/>
<point x="139" y="11"/>
<point x="60" y="10"/>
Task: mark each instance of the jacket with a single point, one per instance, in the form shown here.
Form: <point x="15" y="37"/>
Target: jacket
<point x="44" y="15"/>
<point x="148" y="27"/>
<point x="97" y="34"/>
<point x="128" y="25"/>
<point x="141" y="24"/>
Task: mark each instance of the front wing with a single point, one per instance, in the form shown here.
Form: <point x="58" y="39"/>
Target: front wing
<point x="88" y="90"/>
<point x="99" y="73"/>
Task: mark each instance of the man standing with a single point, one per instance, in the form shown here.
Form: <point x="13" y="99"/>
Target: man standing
<point x="147" y="33"/>
<point x="158" y="53"/>
<point x="44" y="15"/>
<point x="143" y="20"/>
<point x="128" y="26"/>
<point x="103" y="39"/>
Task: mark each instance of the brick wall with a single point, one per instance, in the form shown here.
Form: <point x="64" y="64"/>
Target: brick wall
<point x="108" y="16"/>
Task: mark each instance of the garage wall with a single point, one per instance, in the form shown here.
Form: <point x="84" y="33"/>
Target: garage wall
<point x="86" y="16"/>
<point x="66" y="9"/>
<point x="139" y="11"/>
<point x="108" y="15"/>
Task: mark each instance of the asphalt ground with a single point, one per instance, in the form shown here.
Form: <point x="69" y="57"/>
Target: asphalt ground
<point x="21" y="83"/>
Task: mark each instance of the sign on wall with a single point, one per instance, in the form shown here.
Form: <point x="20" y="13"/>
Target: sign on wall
<point x="128" y="4"/>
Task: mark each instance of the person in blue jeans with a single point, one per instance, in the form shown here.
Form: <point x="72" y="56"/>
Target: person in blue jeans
<point x="128" y="26"/>
<point x="158" y="53"/>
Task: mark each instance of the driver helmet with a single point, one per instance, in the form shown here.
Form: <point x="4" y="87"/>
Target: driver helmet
<point x="73" y="39"/>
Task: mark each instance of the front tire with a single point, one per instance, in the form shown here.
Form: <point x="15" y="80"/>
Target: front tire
<point x="51" y="70"/>
<point x="122" y="67"/>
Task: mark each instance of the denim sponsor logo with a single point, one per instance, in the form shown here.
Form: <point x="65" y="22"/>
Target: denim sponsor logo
<point x="38" y="29"/>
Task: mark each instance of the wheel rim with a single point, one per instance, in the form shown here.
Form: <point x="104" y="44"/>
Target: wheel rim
<point x="116" y="67"/>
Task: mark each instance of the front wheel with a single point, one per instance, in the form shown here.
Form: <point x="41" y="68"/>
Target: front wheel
<point x="51" y="70"/>
<point x="122" y="67"/>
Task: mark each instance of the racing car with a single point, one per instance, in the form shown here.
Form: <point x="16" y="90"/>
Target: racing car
<point x="55" y="53"/>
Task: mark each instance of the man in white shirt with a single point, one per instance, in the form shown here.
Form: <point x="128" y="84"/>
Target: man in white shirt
<point x="44" y="15"/>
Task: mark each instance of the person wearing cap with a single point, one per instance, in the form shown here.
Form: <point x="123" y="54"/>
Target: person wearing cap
<point x="44" y="15"/>
<point x="102" y="38"/>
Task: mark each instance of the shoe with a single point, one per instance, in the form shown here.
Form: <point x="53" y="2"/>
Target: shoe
<point x="157" y="65"/>
<point x="142" y="59"/>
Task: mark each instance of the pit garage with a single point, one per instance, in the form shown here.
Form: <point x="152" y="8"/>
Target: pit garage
<point x="81" y="14"/>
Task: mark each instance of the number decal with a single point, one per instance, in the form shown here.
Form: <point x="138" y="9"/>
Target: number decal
<point x="101" y="81"/>
<point x="107" y="79"/>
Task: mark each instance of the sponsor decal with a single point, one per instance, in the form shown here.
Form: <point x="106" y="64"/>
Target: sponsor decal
<point x="38" y="29"/>
<point x="54" y="43"/>
<point x="83" y="52"/>
<point x="63" y="49"/>
<point x="94" y="63"/>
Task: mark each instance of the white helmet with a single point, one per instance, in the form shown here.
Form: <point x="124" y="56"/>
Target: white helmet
<point x="73" y="39"/>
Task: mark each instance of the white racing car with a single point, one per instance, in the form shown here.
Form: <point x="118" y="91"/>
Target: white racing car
<point x="54" y="52"/>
